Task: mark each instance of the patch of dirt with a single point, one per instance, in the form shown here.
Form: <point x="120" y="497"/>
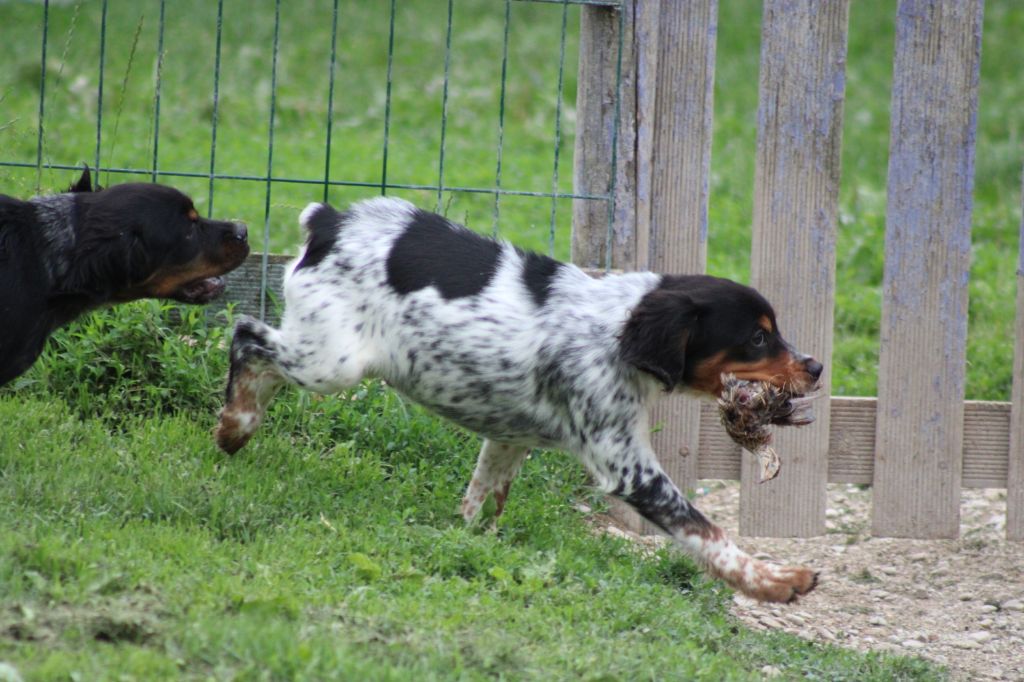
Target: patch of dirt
<point x="959" y="602"/>
<point x="129" y="618"/>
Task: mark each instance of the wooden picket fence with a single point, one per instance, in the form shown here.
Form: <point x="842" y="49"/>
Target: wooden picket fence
<point x="644" y="122"/>
<point x="918" y="443"/>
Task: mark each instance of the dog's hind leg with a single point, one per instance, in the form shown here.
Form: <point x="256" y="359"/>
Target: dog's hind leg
<point x="496" y="468"/>
<point x="253" y="380"/>
<point x="644" y="486"/>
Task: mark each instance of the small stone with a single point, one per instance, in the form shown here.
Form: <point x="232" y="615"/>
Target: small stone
<point x="988" y="608"/>
<point x="911" y="644"/>
<point x="1012" y="605"/>
<point x="8" y="673"/>
<point x="612" y="530"/>
<point x="878" y="620"/>
<point x="832" y="513"/>
<point x="921" y="593"/>
<point x="980" y="636"/>
<point x="919" y="556"/>
<point x="770" y="671"/>
<point x="964" y="643"/>
<point x="825" y="633"/>
<point x="795" y="619"/>
<point x="888" y="570"/>
<point x="772" y="622"/>
<point x="965" y="597"/>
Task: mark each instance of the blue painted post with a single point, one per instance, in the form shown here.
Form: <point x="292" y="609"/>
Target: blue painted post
<point x="676" y="44"/>
<point x="1015" y="478"/>
<point x="796" y="194"/>
<point x="919" y="437"/>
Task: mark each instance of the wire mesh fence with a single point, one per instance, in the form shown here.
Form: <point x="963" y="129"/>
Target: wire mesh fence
<point x="256" y="108"/>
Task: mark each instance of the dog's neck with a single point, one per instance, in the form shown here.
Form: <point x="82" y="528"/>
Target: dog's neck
<point x="56" y="214"/>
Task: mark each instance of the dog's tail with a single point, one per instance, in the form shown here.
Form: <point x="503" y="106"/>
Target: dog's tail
<point x="321" y="222"/>
<point x="317" y="215"/>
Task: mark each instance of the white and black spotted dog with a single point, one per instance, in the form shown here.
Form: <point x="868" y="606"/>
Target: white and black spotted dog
<point x="520" y="348"/>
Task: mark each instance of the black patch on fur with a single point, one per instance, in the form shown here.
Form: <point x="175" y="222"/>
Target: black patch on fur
<point x="655" y="336"/>
<point x="323" y="228"/>
<point x="435" y="252"/>
<point x="538" y="273"/>
<point x="658" y="501"/>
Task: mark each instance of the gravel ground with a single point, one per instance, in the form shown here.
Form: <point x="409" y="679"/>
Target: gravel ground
<point x="957" y="602"/>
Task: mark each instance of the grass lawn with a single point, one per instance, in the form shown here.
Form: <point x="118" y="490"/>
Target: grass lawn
<point x="330" y="548"/>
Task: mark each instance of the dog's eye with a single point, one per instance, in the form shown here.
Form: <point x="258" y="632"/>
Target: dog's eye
<point x="759" y="339"/>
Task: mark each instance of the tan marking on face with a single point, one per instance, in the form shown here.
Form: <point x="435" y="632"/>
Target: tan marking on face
<point x="766" y="324"/>
<point x="193" y="215"/>
<point x="783" y="371"/>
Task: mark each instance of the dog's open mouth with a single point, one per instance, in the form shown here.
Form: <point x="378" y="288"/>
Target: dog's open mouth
<point x="794" y="409"/>
<point x="200" y="290"/>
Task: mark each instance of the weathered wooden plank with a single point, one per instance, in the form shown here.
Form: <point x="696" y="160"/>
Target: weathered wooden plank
<point x="608" y="144"/>
<point x="851" y="449"/>
<point x="928" y="239"/>
<point x="796" y="188"/>
<point x="675" y="86"/>
<point x="1015" y="484"/>
<point x="606" y="111"/>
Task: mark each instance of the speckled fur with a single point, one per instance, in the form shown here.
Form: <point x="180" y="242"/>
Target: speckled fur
<point x="520" y="373"/>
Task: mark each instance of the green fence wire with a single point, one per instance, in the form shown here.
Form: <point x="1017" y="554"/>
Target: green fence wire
<point x="156" y="172"/>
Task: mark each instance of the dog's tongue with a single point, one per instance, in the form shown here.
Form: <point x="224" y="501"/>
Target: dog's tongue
<point x="201" y="290"/>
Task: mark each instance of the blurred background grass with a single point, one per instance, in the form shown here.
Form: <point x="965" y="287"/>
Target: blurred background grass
<point x="471" y="138"/>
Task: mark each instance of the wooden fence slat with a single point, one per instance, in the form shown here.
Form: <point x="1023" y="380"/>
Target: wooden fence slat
<point x="662" y="164"/>
<point x="796" y="188"/>
<point x="605" y="149"/>
<point x="924" y="309"/>
<point x="600" y="151"/>
<point x="675" y="87"/>
<point x="1015" y="476"/>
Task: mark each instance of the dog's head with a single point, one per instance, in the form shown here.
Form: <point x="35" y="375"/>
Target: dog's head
<point x="140" y="240"/>
<point x="690" y="330"/>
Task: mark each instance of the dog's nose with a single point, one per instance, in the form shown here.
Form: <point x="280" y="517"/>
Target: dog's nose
<point x="814" y="368"/>
<point x="240" y="233"/>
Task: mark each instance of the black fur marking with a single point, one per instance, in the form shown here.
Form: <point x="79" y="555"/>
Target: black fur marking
<point x="656" y="335"/>
<point x="538" y="274"/>
<point x="323" y="228"/>
<point x="658" y="501"/>
<point x="435" y="252"/>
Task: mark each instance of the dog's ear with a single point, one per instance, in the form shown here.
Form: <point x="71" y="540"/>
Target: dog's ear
<point x="655" y="337"/>
<point x="84" y="183"/>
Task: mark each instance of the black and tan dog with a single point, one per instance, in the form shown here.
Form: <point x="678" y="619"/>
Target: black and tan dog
<point x="64" y="254"/>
